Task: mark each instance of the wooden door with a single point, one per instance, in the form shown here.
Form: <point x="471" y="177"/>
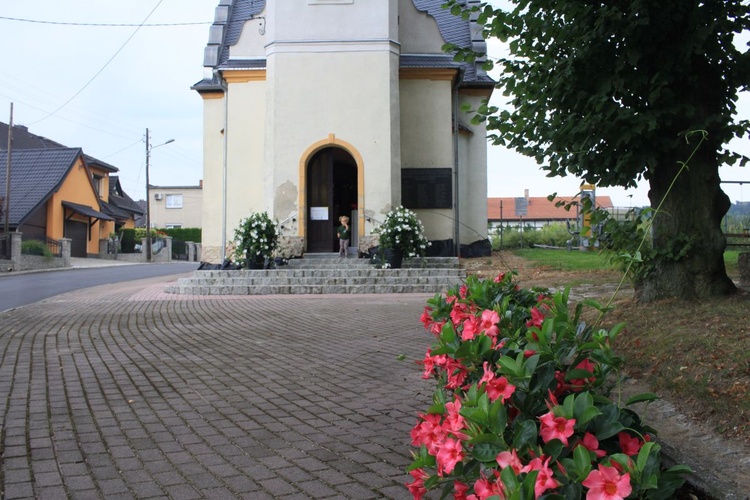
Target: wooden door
<point x="320" y="223"/>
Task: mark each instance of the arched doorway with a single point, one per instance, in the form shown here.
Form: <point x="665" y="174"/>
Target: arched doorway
<point x="331" y="192"/>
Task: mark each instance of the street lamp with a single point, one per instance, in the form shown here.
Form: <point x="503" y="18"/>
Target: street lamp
<point x="149" y="147"/>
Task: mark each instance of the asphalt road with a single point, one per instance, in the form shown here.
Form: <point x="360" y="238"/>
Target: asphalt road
<point x="26" y="288"/>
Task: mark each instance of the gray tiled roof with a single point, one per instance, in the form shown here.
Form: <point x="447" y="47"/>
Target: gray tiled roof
<point x="86" y="210"/>
<point x="120" y="198"/>
<point x="35" y="175"/>
<point x="231" y="16"/>
<point x="23" y="139"/>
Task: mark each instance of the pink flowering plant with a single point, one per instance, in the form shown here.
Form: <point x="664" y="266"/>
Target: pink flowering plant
<point x="523" y="407"/>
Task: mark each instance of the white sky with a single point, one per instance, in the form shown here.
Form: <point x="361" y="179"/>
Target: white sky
<point x="147" y="85"/>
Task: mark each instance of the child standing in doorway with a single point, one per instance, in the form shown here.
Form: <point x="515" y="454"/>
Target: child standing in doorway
<point x="344" y="233"/>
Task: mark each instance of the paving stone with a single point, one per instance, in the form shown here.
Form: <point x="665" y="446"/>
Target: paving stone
<point x="175" y="396"/>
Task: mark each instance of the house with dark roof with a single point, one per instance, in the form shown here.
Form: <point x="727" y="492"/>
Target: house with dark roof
<point x="53" y="196"/>
<point x="59" y="192"/>
<point x="323" y="108"/>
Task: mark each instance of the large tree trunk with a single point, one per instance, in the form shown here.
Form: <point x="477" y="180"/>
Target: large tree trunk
<point x="694" y="209"/>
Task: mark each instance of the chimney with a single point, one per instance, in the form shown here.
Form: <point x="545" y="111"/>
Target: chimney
<point x="526" y="193"/>
<point x="200" y="183"/>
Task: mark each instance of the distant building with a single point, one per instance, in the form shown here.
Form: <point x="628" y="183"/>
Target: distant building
<point x="535" y="211"/>
<point x="176" y="206"/>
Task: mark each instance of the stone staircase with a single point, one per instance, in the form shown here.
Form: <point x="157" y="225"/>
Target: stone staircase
<point x="326" y="274"/>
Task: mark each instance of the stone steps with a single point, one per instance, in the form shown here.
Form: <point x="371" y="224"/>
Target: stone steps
<point x="326" y="275"/>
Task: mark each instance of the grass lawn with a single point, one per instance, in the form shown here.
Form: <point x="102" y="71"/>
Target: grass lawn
<point x="565" y="260"/>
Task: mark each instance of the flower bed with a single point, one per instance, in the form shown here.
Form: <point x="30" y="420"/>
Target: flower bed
<point x="523" y="406"/>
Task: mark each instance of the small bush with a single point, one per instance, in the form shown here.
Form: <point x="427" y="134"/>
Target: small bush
<point x="555" y="235"/>
<point x="127" y="243"/>
<point x="35" y="247"/>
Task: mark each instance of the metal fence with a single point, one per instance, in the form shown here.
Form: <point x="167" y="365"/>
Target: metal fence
<point x="54" y="247"/>
<point x="5" y="246"/>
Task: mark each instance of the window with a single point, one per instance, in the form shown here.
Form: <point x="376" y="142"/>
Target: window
<point x="98" y="184"/>
<point x="174" y="201"/>
<point x="173" y="226"/>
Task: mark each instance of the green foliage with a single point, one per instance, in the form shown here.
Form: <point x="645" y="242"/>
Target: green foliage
<point x="127" y="240"/>
<point x="629" y="243"/>
<point x="523" y="404"/>
<point x="401" y="230"/>
<point x="256" y="237"/>
<point x="193" y="234"/>
<point x="35" y="247"/>
<point x="555" y="234"/>
<point x="604" y="91"/>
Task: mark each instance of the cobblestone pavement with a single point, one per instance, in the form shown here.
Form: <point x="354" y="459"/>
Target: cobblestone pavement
<point x="123" y="391"/>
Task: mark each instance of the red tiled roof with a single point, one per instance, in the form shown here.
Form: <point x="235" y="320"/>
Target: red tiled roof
<point x="538" y="208"/>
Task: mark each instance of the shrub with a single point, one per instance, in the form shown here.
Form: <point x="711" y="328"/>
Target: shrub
<point x="35" y="247"/>
<point x="256" y="238"/>
<point x="402" y="231"/>
<point x="127" y="242"/>
<point x="522" y="407"/>
<point x="555" y="234"/>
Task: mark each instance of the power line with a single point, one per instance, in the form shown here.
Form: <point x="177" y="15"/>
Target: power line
<point x="102" y="68"/>
<point x="101" y="25"/>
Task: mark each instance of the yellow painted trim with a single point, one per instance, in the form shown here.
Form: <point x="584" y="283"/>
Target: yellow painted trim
<point x="428" y="74"/>
<point x="485" y="92"/>
<point x="331" y="141"/>
<point x="212" y="95"/>
<point x="245" y="75"/>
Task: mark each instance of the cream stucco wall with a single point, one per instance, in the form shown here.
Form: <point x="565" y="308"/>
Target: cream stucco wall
<point x="418" y="32"/>
<point x="332" y="78"/>
<point x="213" y="160"/>
<point x="189" y="215"/>
<point x="427" y="138"/>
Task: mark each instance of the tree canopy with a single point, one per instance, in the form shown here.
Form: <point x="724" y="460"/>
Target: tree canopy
<point x="613" y="92"/>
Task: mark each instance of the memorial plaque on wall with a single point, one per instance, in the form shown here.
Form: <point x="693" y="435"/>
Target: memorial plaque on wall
<point x="427" y="188"/>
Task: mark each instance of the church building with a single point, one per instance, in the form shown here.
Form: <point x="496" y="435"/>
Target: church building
<point x="315" y="109"/>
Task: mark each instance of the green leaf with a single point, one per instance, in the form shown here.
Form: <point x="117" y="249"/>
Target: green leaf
<point x="525" y="435"/>
<point x="582" y="461"/>
<point x="642" y="398"/>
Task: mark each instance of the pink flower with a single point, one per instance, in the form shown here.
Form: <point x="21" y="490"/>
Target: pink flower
<point x="607" y="484"/>
<point x="451" y="452"/>
<point x="629" y="445"/>
<point x="471" y="327"/>
<point x="484" y="488"/>
<point x="459" y="490"/>
<point x="556" y="428"/>
<point x="489" y="322"/>
<point x="417" y="488"/>
<point x="457" y="373"/>
<point x="499" y="278"/>
<point x="426" y="317"/>
<point x="509" y="459"/>
<point x="431" y="362"/>
<point x="454" y="422"/>
<point x="497" y="387"/>
<point x="592" y="444"/>
<point x="429" y="432"/>
<point x="537" y="318"/>
<point x="544" y="479"/>
<point x="577" y="384"/>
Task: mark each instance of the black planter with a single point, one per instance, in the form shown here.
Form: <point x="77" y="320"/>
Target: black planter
<point x="256" y="263"/>
<point x="393" y="257"/>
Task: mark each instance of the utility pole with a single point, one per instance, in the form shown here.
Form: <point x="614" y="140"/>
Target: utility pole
<point x="7" y="172"/>
<point x="148" y="198"/>
<point x="148" y="202"/>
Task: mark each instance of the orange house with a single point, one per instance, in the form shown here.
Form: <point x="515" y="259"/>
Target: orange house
<point x="53" y="195"/>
